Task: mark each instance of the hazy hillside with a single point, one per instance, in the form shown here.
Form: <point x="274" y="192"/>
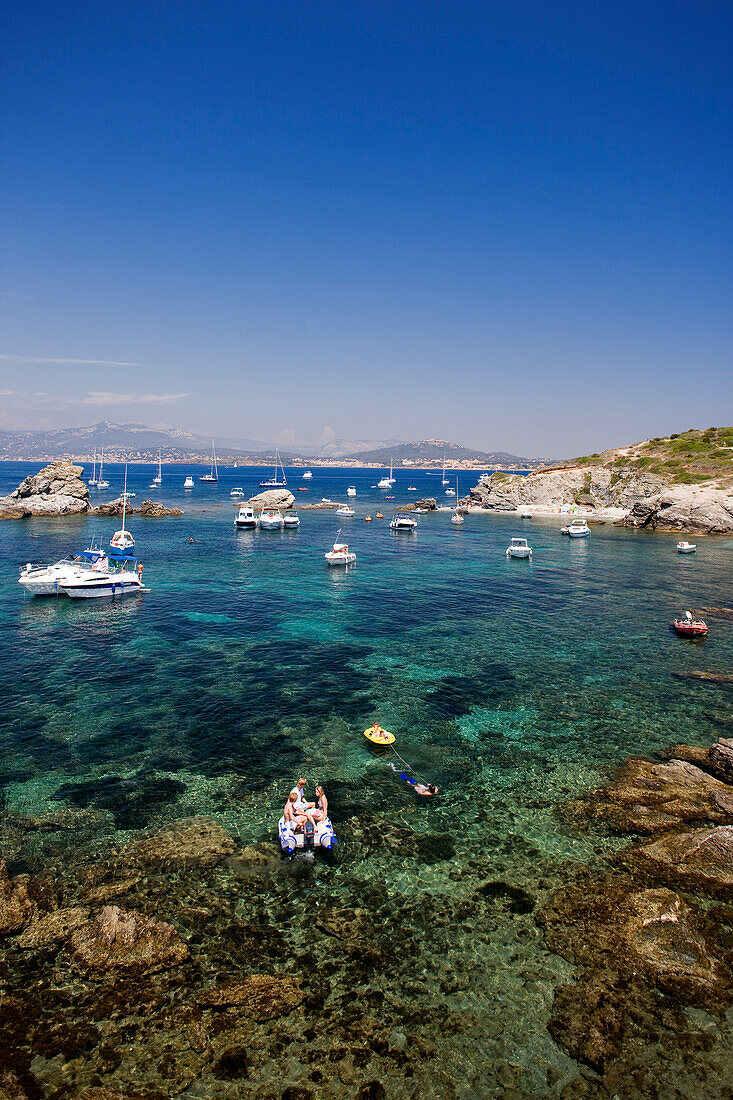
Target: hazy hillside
<point x="432" y="450"/>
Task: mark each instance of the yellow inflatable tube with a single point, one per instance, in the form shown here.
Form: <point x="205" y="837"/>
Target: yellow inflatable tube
<point x="378" y="736"/>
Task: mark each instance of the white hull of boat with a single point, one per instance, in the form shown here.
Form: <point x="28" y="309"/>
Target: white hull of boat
<point x="124" y="584"/>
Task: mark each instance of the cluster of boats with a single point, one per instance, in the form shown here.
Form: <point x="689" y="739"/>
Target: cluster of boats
<point x="268" y="519"/>
<point x="87" y="575"/>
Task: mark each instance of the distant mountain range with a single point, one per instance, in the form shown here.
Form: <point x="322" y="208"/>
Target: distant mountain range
<point x="139" y="443"/>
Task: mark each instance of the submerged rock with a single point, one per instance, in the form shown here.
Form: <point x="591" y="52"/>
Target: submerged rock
<point x="122" y="939"/>
<point x="344" y="923"/>
<point x="260" y="996"/>
<point x="703" y="859"/>
<point x="52" y="927"/>
<point x="192" y="841"/>
<point x="16" y="908"/>
<point x="649" y="798"/>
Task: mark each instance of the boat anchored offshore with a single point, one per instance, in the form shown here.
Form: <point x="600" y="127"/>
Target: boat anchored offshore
<point x="291" y="519"/>
<point x="519" y="548"/>
<point x="213" y="475"/>
<point x="351" y="491"/>
<point x="307" y="475"/>
<point x="387" y="482"/>
<point x="45" y="580"/>
<point x="271" y="520"/>
<point x="245" y="517"/>
<point x="274" y="482"/>
<point x="237" y="491"/>
<point x="344" y="510"/>
<point x="686" y="547"/>
<point x="403" y="521"/>
<point x="122" y="540"/>
<point x="188" y="483"/>
<point x="689" y="627"/>
<point x="101" y="482"/>
<point x="457" y="518"/>
<point x="578" y="529"/>
<point x="158" y="479"/>
<point x="340" y="553"/>
<point x="306" y="838"/>
<point x="111" y="576"/>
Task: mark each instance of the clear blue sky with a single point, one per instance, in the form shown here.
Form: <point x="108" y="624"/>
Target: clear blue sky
<point x="506" y="224"/>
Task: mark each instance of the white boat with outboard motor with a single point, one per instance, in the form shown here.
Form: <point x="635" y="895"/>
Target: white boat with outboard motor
<point x="519" y="548"/>
<point x="188" y="483"/>
<point x="291" y="520"/>
<point x="237" y="492"/>
<point x="245" y="517"/>
<point x="686" y="547"/>
<point x="307" y="476"/>
<point x="307" y="838"/>
<point x="577" y="529"/>
<point x="403" y="521"/>
<point x="351" y="491"/>
<point x="340" y="553"/>
<point x="345" y="510"/>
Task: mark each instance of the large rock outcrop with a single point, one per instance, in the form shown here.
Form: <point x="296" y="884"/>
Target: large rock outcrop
<point x="56" y="490"/>
<point x="121" y="939"/>
<point x="147" y="508"/>
<point x="273" y="498"/>
<point x="700" y="509"/>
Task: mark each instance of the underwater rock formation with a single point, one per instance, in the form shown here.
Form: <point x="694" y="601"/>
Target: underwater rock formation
<point x="16" y="908"/>
<point x="52" y="927"/>
<point x="702" y="859"/>
<point x="259" y="997"/>
<point x="192" y="841"/>
<point x="122" y="939"/>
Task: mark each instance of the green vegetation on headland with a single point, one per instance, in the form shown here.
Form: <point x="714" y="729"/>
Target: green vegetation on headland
<point x="683" y="458"/>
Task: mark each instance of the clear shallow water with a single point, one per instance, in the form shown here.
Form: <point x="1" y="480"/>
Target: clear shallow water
<point x="513" y="685"/>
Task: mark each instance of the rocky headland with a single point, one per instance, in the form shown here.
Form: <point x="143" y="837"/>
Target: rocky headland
<point x="57" y="490"/>
<point x="682" y="483"/>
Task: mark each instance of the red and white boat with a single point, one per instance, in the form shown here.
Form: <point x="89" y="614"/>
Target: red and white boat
<point x="689" y="627"/>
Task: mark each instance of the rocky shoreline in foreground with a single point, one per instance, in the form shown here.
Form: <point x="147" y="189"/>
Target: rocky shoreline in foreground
<point x="57" y="490"/>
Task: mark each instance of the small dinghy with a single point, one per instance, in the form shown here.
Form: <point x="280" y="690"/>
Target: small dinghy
<point x="340" y="554"/>
<point x="686" y="547"/>
<point x="689" y="627"/>
<point x="378" y="736"/>
<point x="306" y="838"/>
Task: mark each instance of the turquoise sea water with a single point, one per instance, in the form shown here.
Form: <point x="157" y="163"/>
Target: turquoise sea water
<point x="513" y="685"/>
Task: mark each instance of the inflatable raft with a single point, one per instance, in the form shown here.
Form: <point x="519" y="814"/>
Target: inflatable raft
<point x="378" y="736"/>
<point x="308" y="838"/>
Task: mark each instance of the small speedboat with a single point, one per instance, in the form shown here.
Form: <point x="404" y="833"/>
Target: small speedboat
<point x="526" y="515"/>
<point x="412" y="488"/>
<point x="271" y="520"/>
<point x="689" y="627"/>
<point x="302" y="488"/>
<point x="518" y="548"/>
<point x="340" y="554"/>
<point x="306" y="838"/>
<point x="245" y="517"/>
<point x="686" y="547"/>
<point x="108" y="577"/>
<point x="403" y="521"/>
<point x="291" y="519"/>
<point x="237" y="491"/>
<point x="351" y="491"/>
<point x="188" y="483"/>
<point x="344" y="510"/>
<point x="577" y="529"/>
<point x="457" y="518"/>
<point x="450" y="492"/>
<point x="307" y="475"/>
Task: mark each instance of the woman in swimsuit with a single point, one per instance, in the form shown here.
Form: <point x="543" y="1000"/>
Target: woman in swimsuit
<point x="320" y="807"/>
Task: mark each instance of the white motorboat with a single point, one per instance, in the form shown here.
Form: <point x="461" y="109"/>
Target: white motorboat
<point x="246" y="517"/>
<point x="412" y="488"/>
<point x="519" y="548"/>
<point x="351" y="491"/>
<point x="93" y="478"/>
<point x="403" y="521"/>
<point x="188" y="483"/>
<point x="387" y="482"/>
<point x="686" y="547"/>
<point x="213" y="475"/>
<point x="340" y="553"/>
<point x="457" y="518"/>
<point x="326" y="500"/>
<point x="291" y="519"/>
<point x="128" y="496"/>
<point x="237" y="491"/>
<point x="307" y="476"/>
<point x="271" y="520"/>
<point x="158" y="479"/>
<point x="122" y="540"/>
<point x="526" y="515"/>
<point x="577" y="529"/>
<point x="107" y="577"/>
<point x="344" y="510"/>
<point x="101" y="483"/>
<point x="274" y="482"/>
<point x="45" y="580"/>
<point x="450" y="492"/>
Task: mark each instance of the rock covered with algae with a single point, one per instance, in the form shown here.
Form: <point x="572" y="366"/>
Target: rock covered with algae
<point x="259" y="997"/>
<point x="122" y="939"/>
<point x="52" y="927"/>
<point x="16" y="907"/>
<point x="189" y="842"/>
<point x="702" y="858"/>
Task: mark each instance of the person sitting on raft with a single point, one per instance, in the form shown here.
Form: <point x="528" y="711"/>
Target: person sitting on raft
<point x="378" y="734"/>
<point x="320" y="806"/>
<point x="420" y="788"/>
<point x="292" y="815"/>
<point x="302" y="805"/>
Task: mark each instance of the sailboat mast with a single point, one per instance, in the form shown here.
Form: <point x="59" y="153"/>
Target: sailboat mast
<point x="124" y="500"/>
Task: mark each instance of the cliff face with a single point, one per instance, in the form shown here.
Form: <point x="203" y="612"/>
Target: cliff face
<point x="648" y="502"/>
<point x="56" y="490"/>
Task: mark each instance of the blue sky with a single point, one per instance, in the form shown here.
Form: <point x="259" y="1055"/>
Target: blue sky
<point x="506" y="225"/>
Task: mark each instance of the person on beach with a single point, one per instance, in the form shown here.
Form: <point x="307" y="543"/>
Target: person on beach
<point x="320" y="808"/>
